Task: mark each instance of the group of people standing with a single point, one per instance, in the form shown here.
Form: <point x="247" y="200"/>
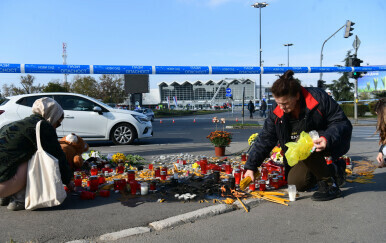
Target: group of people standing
<point x="263" y="108"/>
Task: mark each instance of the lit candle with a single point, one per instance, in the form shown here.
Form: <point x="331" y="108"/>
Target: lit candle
<point x="144" y="188"/>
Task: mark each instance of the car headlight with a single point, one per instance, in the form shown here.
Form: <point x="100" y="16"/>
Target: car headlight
<point x="141" y="118"/>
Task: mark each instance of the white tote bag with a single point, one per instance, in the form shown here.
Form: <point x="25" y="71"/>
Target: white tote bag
<point x="44" y="183"/>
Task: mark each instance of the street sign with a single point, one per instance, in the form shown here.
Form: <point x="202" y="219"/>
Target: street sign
<point x="228" y="94"/>
<point x="229" y="91"/>
<point x="356" y="43"/>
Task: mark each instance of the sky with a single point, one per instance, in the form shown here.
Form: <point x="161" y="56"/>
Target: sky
<point x="188" y="32"/>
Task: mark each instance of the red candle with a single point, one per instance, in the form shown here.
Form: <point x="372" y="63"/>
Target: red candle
<point x="348" y="160"/>
<point x="264" y="173"/>
<point x="243" y="157"/>
<point x="151" y="166"/>
<point x="93" y="183"/>
<point x="252" y="186"/>
<point x="228" y="168"/>
<point x="262" y="185"/>
<point x="122" y="185"/>
<point x="157" y="172"/>
<point x="120" y="168"/>
<point x="131" y="175"/>
<point x="152" y="186"/>
<point x="163" y="175"/>
<point x="133" y="187"/>
<point x="78" y="180"/>
<point x="117" y="183"/>
<point x="85" y="195"/>
<point x="165" y="169"/>
<point x="101" y="179"/>
<point x="280" y="180"/>
<point x="237" y="176"/>
<point x="94" y="170"/>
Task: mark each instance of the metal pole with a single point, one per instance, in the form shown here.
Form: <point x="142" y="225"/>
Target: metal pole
<point x="288" y="56"/>
<point x="260" y="58"/>
<point x="356" y="101"/>
<point x="242" y="112"/>
<point x="321" y="52"/>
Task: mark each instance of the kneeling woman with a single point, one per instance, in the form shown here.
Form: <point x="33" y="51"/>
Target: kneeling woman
<point x="18" y="145"/>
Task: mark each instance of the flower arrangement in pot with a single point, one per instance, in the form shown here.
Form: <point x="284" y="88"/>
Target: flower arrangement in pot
<point x="220" y="139"/>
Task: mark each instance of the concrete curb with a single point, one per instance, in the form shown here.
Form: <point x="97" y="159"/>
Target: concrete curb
<point x="191" y="216"/>
<point x="249" y="203"/>
<point x="124" y="233"/>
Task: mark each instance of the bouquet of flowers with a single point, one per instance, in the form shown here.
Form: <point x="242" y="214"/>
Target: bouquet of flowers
<point x="277" y="154"/>
<point x="220" y="138"/>
<point x="118" y="157"/>
<point x="252" y="138"/>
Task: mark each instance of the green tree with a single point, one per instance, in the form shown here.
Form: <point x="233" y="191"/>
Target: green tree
<point x="54" y="86"/>
<point x="28" y="87"/>
<point x="86" y="85"/>
<point x="111" y="88"/>
<point x="342" y="89"/>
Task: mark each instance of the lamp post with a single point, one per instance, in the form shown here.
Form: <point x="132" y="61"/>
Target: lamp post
<point x="289" y="44"/>
<point x="260" y="6"/>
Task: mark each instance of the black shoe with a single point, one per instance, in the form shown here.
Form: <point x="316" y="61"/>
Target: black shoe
<point x="326" y="192"/>
<point x="4" y="201"/>
<point x="338" y="172"/>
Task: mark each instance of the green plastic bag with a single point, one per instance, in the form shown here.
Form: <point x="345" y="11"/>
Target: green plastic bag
<point x="299" y="150"/>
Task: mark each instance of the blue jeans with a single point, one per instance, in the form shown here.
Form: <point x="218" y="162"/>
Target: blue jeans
<point x="262" y="113"/>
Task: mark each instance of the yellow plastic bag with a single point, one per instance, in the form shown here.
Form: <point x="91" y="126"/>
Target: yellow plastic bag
<point x="299" y="150"/>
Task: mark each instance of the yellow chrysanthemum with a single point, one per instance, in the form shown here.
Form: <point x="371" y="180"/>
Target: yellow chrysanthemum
<point x="252" y="138"/>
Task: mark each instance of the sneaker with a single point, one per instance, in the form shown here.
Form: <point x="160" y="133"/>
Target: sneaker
<point x="16" y="206"/>
<point x="326" y="192"/>
<point x="4" y="201"/>
<point x="338" y="172"/>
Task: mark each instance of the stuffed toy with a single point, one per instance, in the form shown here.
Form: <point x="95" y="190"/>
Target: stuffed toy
<point x="73" y="146"/>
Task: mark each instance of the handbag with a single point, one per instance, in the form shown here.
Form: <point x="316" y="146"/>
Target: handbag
<point x="44" y="183"/>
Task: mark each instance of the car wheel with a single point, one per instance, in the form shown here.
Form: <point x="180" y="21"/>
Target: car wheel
<point x="123" y="134"/>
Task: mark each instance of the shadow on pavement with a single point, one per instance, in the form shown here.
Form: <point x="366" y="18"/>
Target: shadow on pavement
<point x="378" y="186"/>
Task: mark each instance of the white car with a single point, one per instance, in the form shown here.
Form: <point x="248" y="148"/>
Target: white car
<point x="84" y="116"/>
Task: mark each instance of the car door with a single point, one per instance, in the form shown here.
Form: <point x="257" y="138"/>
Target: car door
<point x="79" y="117"/>
<point x="24" y="108"/>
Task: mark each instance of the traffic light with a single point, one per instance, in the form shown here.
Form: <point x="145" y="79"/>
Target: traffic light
<point x="347" y="32"/>
<point x="321" y="84"/>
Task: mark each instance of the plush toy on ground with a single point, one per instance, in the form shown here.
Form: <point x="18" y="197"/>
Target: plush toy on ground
<point x="73" y="146"/>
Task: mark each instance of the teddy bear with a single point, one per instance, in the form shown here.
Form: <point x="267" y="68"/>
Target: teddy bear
<point x="73" y="146"/>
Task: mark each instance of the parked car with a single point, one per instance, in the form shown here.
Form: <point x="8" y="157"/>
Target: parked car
<point x="147" y="112"/>
<point x="87" y="117"/>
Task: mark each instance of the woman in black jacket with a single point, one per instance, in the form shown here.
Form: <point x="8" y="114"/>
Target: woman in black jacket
<point x="380" y="109"/>
<point x="18" y="145"/>
<point x="305" y="109"/>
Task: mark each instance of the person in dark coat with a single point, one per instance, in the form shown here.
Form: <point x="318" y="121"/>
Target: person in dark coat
<point x="300" y="109"/>
<point x="380" y="110"/>
<point x="251" y="108"/>
<point x="263" y="108"/>
<point x="18" y="145"/>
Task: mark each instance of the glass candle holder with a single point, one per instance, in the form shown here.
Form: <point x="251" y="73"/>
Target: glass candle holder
<point x="243" y="157"/>
<point x="131" y="175"/>
<point x="165" y="169"/>
<point x="157" y="172"/>
<point x="163" y="175"/>
<point x="133" y="187"/>
<point x="117" y="183"/>
<point x="262" y="185"/>
<point x="228" y="168"/>
<point x="78" y="181"/>
<point x="232" y="183"/>
<point x="252" y="186"/>
<point x="144" y="188"/>
<point x="151" y="166"/>
<point x="275" y="183"/>
<point x="120" y="168"/>
<point x="93" y="183"/>
<point x="101" y="179"/>
<point x="237" y="176"/>
<point x="94" y="170"/>
<point x="152" y="186"/>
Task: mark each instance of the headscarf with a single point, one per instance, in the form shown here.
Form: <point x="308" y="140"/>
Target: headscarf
<point x="48" y="108"/>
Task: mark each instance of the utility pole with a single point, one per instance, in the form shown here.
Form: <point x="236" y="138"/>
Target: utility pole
<point x="64" y="55"/>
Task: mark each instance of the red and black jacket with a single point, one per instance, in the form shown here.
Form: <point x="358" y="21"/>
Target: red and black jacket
<point x="322" y="113"/>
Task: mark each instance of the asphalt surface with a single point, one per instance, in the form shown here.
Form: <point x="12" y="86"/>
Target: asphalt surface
<point x="358" y="217"/>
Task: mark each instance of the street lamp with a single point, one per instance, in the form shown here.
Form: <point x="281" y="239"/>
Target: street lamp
<point x="260" y="6"/>
<point x="289" y="44"/>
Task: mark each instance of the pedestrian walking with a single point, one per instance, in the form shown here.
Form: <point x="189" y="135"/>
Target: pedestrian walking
<point x="251" y="108"/>
<point x="300" y="109"/>
<point x="263" y="108"/>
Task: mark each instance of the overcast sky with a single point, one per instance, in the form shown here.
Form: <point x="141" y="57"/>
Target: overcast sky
<point x="188" y="32"/>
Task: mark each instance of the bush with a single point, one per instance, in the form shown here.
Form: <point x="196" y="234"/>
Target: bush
<point x="348" y="109"/>
<point x="371" y="107"/>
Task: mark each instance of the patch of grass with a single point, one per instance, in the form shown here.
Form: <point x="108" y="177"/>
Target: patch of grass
<point x="246" y="125"/>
